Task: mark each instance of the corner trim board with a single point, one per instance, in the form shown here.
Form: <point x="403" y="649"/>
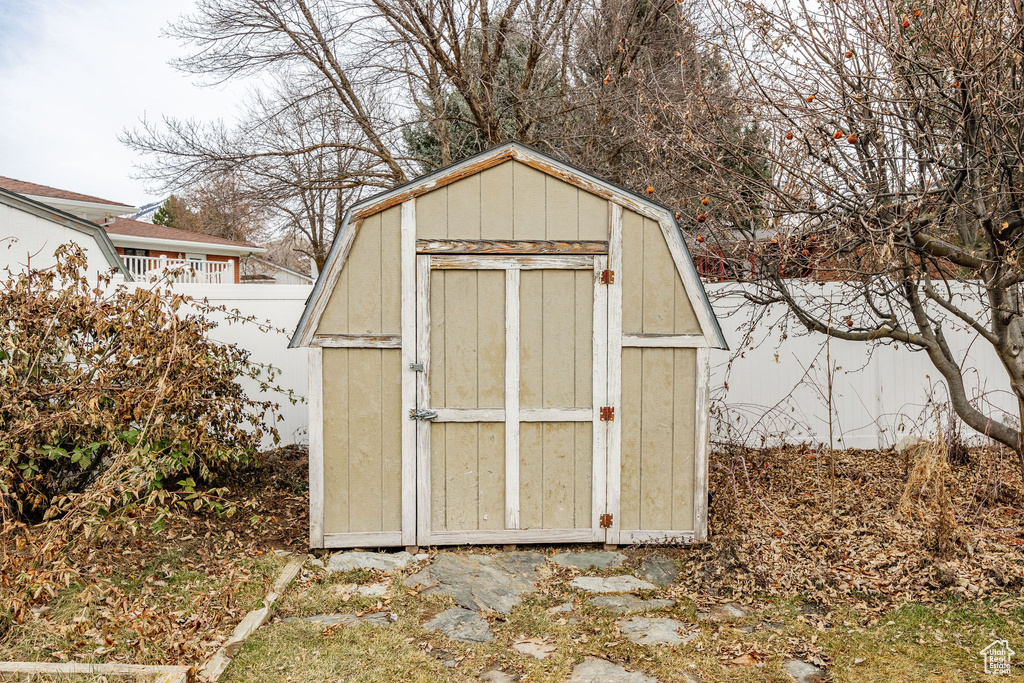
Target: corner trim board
<point x="316" y="448"/>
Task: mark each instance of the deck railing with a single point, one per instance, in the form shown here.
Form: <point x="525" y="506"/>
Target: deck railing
<point x="149" y="268"/>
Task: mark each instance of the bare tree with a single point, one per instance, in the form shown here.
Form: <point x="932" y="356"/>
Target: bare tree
<point x="888" y="153"/>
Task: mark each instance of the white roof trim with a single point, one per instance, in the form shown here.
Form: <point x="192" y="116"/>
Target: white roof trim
<point x="47" y="212"/>
<point x="71" y="204"/>
<point x="142" y="242"/>
<point x="516" y="151"/>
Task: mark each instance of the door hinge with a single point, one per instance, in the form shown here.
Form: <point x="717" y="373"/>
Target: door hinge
<point x="606" y="521"/>
<point x="607" y="277"/>
<point x="422" y="414"/>
<point x="607" y="413"/>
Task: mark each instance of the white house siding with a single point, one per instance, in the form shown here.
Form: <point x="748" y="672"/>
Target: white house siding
<point x="26" y="238"/>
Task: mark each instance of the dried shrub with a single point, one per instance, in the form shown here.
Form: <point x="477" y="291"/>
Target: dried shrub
<point x="111" y="394"/>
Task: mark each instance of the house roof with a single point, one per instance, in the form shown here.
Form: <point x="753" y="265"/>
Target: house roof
<point x="128" y="227"/>
<point x="492" y="157"/>
<point x="44" y="211"/>
<point x="36" y="190"/>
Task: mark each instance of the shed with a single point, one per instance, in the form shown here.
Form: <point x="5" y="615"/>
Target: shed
<point x="507" y="350"/>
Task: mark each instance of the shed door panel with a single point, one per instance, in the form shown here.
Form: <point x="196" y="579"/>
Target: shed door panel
<point x="491" y="431"/>
<point x="556" y="357"/>
<point x="658" y="438"/>
<point x="467" y="371"/>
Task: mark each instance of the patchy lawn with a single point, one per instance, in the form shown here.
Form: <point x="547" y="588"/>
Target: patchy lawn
<point x="170" y="597"/>
<point x="851" y="572"/>
<point x="873" y="579"/>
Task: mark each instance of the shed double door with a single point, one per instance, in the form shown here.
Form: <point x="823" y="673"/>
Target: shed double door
<point x="512" y="375"/>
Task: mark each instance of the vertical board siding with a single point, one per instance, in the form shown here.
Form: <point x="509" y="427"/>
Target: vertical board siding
<point x="654" y="299"/>
<point x="467" y="350"/>
<point x="555" y="340"/>
<point x="511" y="201"/>
<point x="658" y="423"/>
<point x="496" y="197"/>
<point x="362" y="440"/>
<point x="368" y="297"/>
<point x="556" y="371"/>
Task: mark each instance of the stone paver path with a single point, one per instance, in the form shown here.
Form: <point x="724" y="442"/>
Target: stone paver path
<point x="534" y="647"/>
<point x="347" y="561"/>
<point x="594" y="670"/>
<point x="803" y="672"/>
<point x="461" y="624"/>
<point x="593" y="560"/>
<point x="660" y="631"/>
<point x="482" y="582"/>
<point x="611" y="584"/>
<point x="726" y="612"/>
<point x="498" y="676"/>
<point x="660" y="570"/>
<point x="625" y="604"/>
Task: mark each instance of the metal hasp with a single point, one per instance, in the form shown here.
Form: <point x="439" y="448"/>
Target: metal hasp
<point x="417" y="367"/>
<point x="606" y="521"/>
<point x="422" y="414"/>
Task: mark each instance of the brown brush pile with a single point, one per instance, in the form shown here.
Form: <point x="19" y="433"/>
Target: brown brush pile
<point x="885" y="529"/>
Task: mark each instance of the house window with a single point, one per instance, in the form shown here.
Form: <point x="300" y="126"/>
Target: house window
<point x="128" y="251"/>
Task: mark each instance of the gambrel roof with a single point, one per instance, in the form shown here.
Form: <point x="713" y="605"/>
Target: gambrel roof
<point x="492" y="157"/>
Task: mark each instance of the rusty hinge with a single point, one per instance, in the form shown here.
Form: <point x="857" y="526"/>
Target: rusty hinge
<point x="607" y="413"/>
<point x="607" y="277"/>
<point x="606" y="521"/>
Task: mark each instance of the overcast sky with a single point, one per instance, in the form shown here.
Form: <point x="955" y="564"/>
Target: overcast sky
<point x="74" y="74"/>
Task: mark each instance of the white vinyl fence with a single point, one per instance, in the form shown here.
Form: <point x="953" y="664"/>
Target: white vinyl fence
<point x="770" y="389"/>
<point x="281" y="306"/>
<point x="766" y="390"/>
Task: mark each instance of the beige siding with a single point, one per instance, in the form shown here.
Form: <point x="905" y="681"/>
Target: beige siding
<point x="658" y="404"/>
<point x="367" y="298"/>
<point x="555" y="476"/>
<point x="654" y="300"/>
<point x="556" y="361"/>
<point x="467" y="476"/>
<point x="511" y="201"/>
<point x="467" y="370"/>
<point x="556" y="338"/>
<point x="362" y="431"/>
<point x="467" y="339"/>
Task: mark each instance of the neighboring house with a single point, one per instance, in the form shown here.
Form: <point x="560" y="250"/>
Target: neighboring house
<point x="256" y="270"/>
<point x="146" y="250"/>
<point x="30" y="233"/>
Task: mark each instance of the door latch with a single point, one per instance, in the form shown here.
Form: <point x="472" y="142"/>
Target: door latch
<point x="422" y="414"/>
<point x="416" y="367"/>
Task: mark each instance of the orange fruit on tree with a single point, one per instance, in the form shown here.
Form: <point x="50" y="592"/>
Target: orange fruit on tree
<point x="705" y="201"/>
<point x="838" y="135"/>
<point x="701" y="218"/>
<point x="700" y="238"/>
<point x="650" y="190"/>
<point x="852" y="139"/>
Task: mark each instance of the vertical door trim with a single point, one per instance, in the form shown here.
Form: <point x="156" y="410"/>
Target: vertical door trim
<point x="422" y="400"/>
<point x="600" y="382"/>
<point x="615" y="371"/>
<point x="408" y="243"/>
<point x="315" y="388"/>
<point x="700" y="460"/>
<point x="512" y="398"/>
